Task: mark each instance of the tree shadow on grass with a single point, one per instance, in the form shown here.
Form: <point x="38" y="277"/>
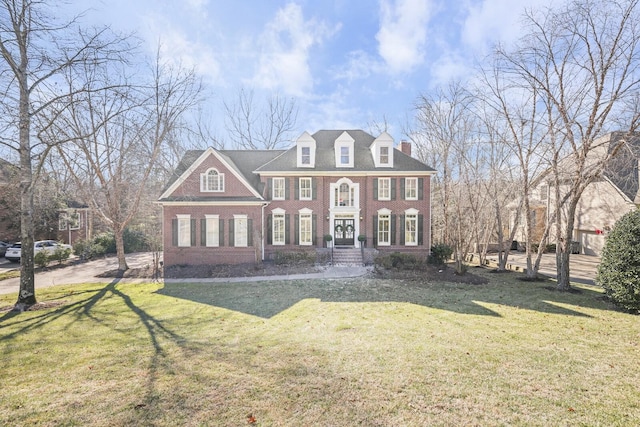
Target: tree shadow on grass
<point x="84" y="308"/>
<point x="269" y="298"/>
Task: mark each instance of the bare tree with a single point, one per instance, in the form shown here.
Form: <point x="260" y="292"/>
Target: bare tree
<point x="253" y="127"/>
<point x="582" y="58"/>
<point x="445" y="137"/>
<point x="35" y="49"/>
<point x="117" y="134"/>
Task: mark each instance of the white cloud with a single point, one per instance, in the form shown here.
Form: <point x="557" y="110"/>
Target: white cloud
<point x="177" y="47"/>
<point x="490" y="21"/>
<point x="403" y="33"/>
<point x="285" y="47"/>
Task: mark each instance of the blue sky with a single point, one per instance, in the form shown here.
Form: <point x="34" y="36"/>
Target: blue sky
<point x="347" y="63"/>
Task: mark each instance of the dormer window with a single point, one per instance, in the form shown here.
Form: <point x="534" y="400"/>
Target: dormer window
<point x="384" y="155"/>
<point x="305" y="155"/>
<point x="343" y="147"/>
<point x="344" y="156"/>
<point x="306" y="151"/>
<point x="382" y="151"/>
<point x="212" y="181"/>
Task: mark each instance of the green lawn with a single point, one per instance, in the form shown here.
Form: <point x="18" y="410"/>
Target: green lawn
<point x="329" y="353"/>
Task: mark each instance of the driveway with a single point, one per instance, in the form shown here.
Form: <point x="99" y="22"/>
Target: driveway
<point x="582" y="269"/>
<point x="84" y="272"/>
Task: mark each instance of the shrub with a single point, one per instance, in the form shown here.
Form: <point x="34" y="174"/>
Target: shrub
<point x="289" y="258"/>
<point x="398" y="260"/>
<point x="41" y="259"/>
<point x="440" y="253"/>
<point x="60" y="254"/>
<point x="619" y="269"/>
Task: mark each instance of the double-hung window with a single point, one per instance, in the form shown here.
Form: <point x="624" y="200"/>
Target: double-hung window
<point x="411" y="188"/>
<point x="305" y="155"/>
<point x="278" y="189"/>
<point x="384" y="188"/>
<point x="384" y="155"/>
<point x="344" y="156"/>
<point x="305" y="189"/>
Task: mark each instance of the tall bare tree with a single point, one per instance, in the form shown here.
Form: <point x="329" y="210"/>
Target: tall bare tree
<point x="35" y="50"/>
<point x="252" y="125"/>
<point x="117" y="133"/>
<point x="583" y="60"/>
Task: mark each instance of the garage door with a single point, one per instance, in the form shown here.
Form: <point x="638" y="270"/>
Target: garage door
<point x="591" y="243"/>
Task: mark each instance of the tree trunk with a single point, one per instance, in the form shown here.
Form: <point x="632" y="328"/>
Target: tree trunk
<point x="564" y="254"/>
<point x="122" y="261"/>
<point x="27" y="294"/>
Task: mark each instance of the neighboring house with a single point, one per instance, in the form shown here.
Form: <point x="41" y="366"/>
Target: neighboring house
<point x="9" y="196"/>
<point x="74" y="223"/>
<point x="613" y="194"/>
<point x="239" y="206"/>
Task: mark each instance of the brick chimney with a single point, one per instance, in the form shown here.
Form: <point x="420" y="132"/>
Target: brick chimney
<point x="405" y="147"/>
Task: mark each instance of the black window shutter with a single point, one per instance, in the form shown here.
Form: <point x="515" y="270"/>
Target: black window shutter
<point x="296" y="228"/>
<point x="174" y="232"/>
<point x="375" y="188"/>
<point x="393" y="188"/>
<point x="420" y="229"/>
<point x="221" y="232"/>
<point x="314" y="188"/>
<point x="249" y="232"/>
<point x="402" y="227"/>
<point x="287" y="192"/>
<point x="420" y="188"/>
<point x="296" y="193"/>
<point x="232" y="239"/>
<point x="375" y="231"/>
<point x="314" y="229"/>
<point x="287" y="229"/>
<point x="193" y="232"/>
<point x="203" y="232"/>
<point x="393" y="229"/>
<point x="268" y="191"/>
<point x="403" y="195"/>
<point x="269" y="229"/>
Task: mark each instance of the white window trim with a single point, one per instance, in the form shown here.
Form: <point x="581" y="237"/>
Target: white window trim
<point x="384" y="212"/>
<point x="204" y="182"/>
<point x="184" y="240"/>
<point x="310" y="180"/>
<point x="306" y="141"/>
<point x="280" y="213"/>
<point x="406" y="188"/>
<point x="345" y="140"/>
<point x="215" y="240"/>
<point x="273" y="189"/>
<point x="380" y="195"/>
<point x="238" y="232"/>
<point x="407" y="214"/>
<point x="306" y="214"/>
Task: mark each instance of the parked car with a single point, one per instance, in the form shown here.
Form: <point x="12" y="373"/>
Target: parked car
<point x="3" y="247"/>
<point x="14" y="251"/>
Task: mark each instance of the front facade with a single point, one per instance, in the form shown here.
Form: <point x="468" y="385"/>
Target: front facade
<point x="239" y="206"/>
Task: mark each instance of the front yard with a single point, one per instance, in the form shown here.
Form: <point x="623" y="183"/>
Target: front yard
<point x="367" y="351"/>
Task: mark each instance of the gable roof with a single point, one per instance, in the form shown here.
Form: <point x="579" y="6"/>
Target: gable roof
<point x="240" y="162"/>
<point x="325" y="157"/>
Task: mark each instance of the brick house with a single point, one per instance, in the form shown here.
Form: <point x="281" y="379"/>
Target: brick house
<point x="239" y="206"/>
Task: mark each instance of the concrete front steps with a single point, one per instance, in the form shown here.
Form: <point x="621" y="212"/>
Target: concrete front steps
<point x="347" y="257"/>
